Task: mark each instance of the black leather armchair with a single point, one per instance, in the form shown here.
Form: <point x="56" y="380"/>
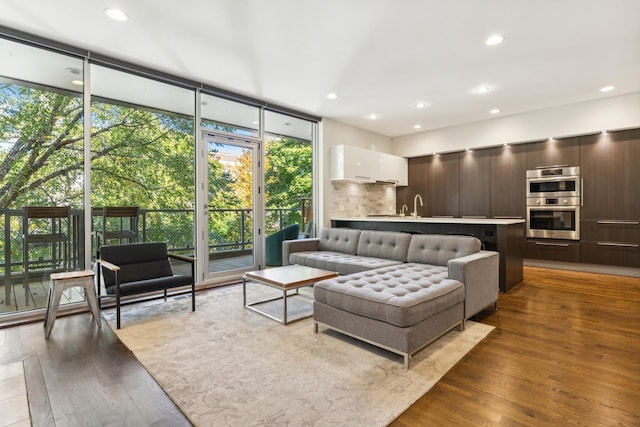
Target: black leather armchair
<point x="139" y="268"/>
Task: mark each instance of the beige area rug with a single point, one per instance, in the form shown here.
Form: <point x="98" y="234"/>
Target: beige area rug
<point x="227" y="365"/>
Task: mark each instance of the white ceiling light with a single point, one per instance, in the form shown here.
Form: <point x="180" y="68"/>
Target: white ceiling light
<point x="373" y="116"/>
<point x="332" y="95"/>
<point x="607" y="89"/>
<point x="77" y="82"/>
<point x="421" y="105"/>
<point x="116" y="14"/>
<point x="494" y="40"/>
<point x="494" y="111"/>
<point x="482" y="89"/>
<point x="417" y="126"/>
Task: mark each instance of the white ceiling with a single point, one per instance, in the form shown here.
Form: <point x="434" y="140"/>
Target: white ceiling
<point x="379" y="56"/>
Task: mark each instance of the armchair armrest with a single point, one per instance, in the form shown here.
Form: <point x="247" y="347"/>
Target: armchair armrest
<point x="299" y="245"/>
<point x="480" y="274"/>
<point x="107" y="265"/>
<point x="182" y="258"/>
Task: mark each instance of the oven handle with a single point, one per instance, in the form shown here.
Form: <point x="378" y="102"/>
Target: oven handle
<point x="564" y="245"/>
<point x="562" y="208"/>
<point x="552" y="166"/>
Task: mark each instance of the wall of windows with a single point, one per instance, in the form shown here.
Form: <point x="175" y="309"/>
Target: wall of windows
<point x="142" y="155"/>
<point x="143" y="139"/>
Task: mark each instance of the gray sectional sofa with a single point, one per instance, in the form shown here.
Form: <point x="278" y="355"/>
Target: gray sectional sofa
<point x="396" y="290"/>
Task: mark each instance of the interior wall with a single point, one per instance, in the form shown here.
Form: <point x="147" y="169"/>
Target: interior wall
<point x="336" y="133"/>
<point x="613" y="113"/>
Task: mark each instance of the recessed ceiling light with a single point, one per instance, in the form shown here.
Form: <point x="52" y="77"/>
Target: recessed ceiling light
<point x="116" y="14"/>
<point x="550" y="138"/>
<point x="505" y="144"/>
<point x="604" y="132"/>
<point x="77" y="82"/>
<point x="373" y="116"/>
<point x="607" y="89"/>
<point x="482" y="89"/>
<point x="421" y="104"/>
<point x="494" y="40"/>
<point x="417" y="126"/>
<point x="494" y="111"/>
<point x="332" y="95"/>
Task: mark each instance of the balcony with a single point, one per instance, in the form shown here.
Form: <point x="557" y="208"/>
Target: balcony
<point x="228" y="249"/>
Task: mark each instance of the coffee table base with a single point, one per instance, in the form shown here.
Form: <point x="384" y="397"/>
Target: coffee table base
<point x="285" y="320"/>
<point x="285" y="278"/>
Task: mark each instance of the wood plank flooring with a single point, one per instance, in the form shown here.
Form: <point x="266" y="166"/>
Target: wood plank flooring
<point x="566" y="351"/>
<point x="84" y="376"/>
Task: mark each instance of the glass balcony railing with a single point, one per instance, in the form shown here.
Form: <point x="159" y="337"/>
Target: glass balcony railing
<point x="24" y="284"/>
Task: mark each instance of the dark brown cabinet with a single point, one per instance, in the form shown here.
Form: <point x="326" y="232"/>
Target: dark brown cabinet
<point x="610" y="242"/>
<point x="611" y="175"/>
<point x="444" y="185"/>
<point x="491" y="182"/>
<point x="610" y="226"/>
<point x="418" y="171"/>
<point x="475" y="183"/>
<point x="554" y="152"/>
<point x="560" y="250"/>
<point x="508" y="188"/>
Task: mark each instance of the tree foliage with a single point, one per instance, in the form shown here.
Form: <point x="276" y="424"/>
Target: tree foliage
<point x="139" y="157"/>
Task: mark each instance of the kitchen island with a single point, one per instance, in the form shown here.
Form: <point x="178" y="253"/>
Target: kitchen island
<point x="505" y="236"/>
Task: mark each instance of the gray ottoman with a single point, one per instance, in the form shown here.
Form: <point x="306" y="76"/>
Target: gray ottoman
<point x="401" y="308"/>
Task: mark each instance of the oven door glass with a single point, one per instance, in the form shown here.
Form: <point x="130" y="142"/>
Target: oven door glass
<point x="553" y="223"/>
<point x="554" y="186"/>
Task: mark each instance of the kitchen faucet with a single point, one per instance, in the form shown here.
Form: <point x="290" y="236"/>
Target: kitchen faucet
<point x="415" y="205"/>
<point x="404" y="208"/>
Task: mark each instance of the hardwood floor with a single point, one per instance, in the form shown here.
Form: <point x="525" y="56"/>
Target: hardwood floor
<point x="566" y="351"/>
<point x="84" y="376"/>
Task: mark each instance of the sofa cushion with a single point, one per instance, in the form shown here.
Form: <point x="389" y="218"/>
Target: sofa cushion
<point x="402" y="295"/>
<point x="343" y="240"/>
<point x="384" y="244"/>
<point x="438" y="249"/>
<point x="338" y="261"/>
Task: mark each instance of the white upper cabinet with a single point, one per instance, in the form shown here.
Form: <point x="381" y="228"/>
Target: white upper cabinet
<point x="353" y="163"/>
<point x="393" y="169"/>
<point x="358" y="164"/>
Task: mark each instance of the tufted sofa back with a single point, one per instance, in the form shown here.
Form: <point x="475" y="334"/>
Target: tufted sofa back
<point x="343" y="240"/>
<point x="384" y="244"/>
<point x="438" y="249"/>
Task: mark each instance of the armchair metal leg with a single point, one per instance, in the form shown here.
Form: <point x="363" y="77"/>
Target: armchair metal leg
<point x="118" y="312"/>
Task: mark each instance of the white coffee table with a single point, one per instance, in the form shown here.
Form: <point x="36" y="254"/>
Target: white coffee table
<point x="286" y="278"/>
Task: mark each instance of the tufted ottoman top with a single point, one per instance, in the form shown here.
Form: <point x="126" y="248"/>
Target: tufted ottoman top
<point x="402" y="295"/>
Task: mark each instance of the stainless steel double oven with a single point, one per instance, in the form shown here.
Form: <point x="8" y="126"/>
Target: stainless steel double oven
<point x="553" y="202"/>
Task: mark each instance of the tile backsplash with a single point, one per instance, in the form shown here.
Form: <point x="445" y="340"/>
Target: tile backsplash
<point x="352" y="199"/>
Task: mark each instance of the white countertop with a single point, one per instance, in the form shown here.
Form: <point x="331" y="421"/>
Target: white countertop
<point x="437" y="220"/>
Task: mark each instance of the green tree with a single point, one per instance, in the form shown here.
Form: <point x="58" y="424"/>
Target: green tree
<point x="288" y="176"/>
<point x="41" y="132"/>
